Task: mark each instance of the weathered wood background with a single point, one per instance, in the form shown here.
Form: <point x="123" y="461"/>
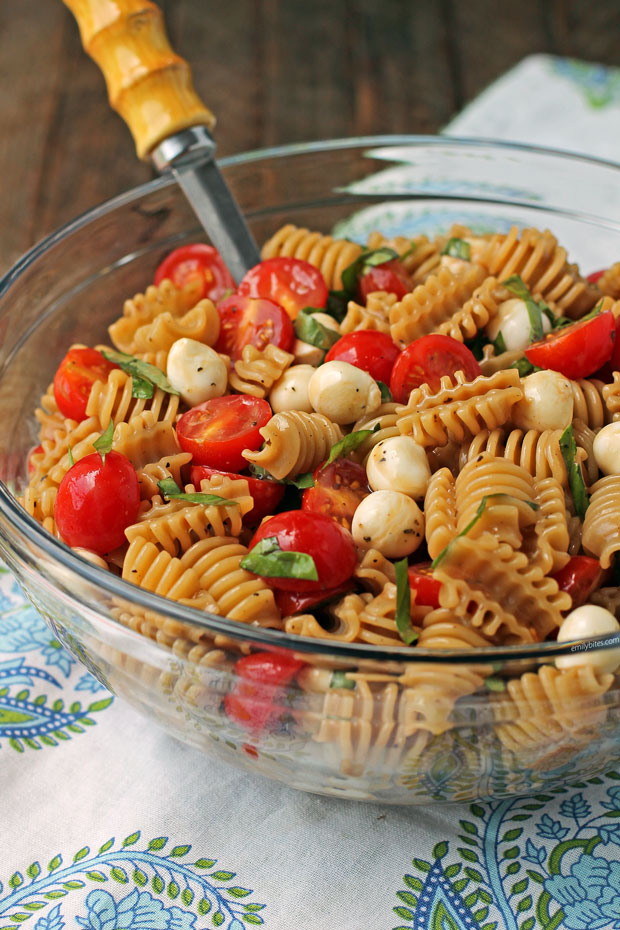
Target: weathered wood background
<point x="274" y="71"/>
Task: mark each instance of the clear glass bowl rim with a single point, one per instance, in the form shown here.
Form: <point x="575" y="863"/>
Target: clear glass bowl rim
<point x="24" y="524"/>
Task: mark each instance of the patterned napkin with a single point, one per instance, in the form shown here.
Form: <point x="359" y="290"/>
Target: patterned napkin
<point x="107" y="823"/>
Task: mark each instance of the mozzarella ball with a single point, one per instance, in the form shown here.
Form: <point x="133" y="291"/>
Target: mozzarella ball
<point x="581" y="623"/>
<point x="196" y="371"/>
<point x="547" y="404"/>
<point x="290" y="392"/>
<point x="513" y="321"/>
<point x="390" y="522"/>
<point x="606" y="449"/>
<point x="398" y="464"/>
<point x="91" y="556"/>
<point x="327" y="321"/>
<point x="342" y="392"/>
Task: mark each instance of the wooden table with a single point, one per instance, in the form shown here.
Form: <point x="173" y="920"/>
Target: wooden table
<point x="274" y="71"/>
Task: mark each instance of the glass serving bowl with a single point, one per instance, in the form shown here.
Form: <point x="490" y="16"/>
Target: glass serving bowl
<point x="407" y="725"/>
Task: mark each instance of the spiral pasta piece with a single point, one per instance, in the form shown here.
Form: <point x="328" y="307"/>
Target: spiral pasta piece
<point x="238" y="594"/>
<point x="418" y="255"/>
<point x="49" y="417"/>
<point x="331" y="256"/>
<point x="542" y="264"/>
<point x="295" y="442"/>
<point x="113" y="400"/>
<point x="538" y="452"/>
<point x="611" y="398"/>
<point x="442" y="630"/>
<point x="433" y="303"/>
<point x="552" y="541"/>
<point x="143" y="309"/>
<point x="485" y="477"/>
<point x="375" y="315"/>
<point x="601" y="526"/>
<point x="459" y="409"/>
<point x="609" y="281"/>
<point x="145" y="439"/>
<point x="440" y="512"/>
<point x="168" y="467"/>
<point x="476" y="312"/>
<point x="385" y="417"/>
<point x="428" y="700"/>
<point x="55" y="460"/>
<point x="257" y="371"/>
<point x="584" y="438"/>
<point x="588" y="403"/>
<point x="375" y="571"/>
<point x="38" y="500"/>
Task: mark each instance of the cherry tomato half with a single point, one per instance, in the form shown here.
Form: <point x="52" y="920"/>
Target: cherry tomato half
<point x="252" y="321"/>
<point x="96" y="501"/>
<point x="198" y="266"/>
<point x="578" y="350"/>
<point x="593" y="277"/>
<point x="76" y="374"/>
<point x="338" y="490"/>
<point x="217" y="431"/>
<point x="391" y="276"/>
<point x="291" y="602"/>
<point x="266" y="494"/>
<point x="290" y="282"/>
<point x="261" y="681"/>
<point x="428" y="359"/>
<point x="579" y="577"/>
<point x="426" y="586"/>
<point x="366" y="349"/>
<point x="329" y="544"/>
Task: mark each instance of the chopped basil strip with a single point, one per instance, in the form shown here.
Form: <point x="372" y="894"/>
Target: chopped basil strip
<point x="457" y="248"/>
<point x="302" y="481"/>
<point x="516" y="286"/>
<point x="259" y="472"/>
<point x="525" y="367"/>
<point x="267" y="559"/>
<point x="71" y="460"/>
<point x="476" y="517"/>
<point x="593" y="312"/>
<point x="308" y="329"/>
<point x="306" y="480"/>
<point x="500" y="345"/>
<point x="349" y="443"/>
<point x="386" y="396"/>
<point x="403" y="603"/>
<point x="170" y="489"/>
<point x="495" y="684"/>
<point x="476" y="345"/>
<point x="143" y="374"/>
<point x="568" y="448"/>
<point x="362" y="264"/>
<point x="340" y="680"/>
<point x="103" y="445"/>
<point x="408" y="252"/>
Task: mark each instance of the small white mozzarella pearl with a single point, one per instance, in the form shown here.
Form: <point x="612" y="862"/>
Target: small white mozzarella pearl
<point x="307" y="354"/>
<point x="513" y="321"/>
<point x="398" y="464"/>
<point x="454" y="264"/>
<point x="547" y="404"/>
<point x="327" y="321"/>
<point x="196" y="371"/>
<point x="290" y="392"/>
<point x="581" y="623"/>
<point x="342" y="392"/>
<point x="91" y="556"/>
<point x="390" y="522"/>
<point x="606" y="449"/>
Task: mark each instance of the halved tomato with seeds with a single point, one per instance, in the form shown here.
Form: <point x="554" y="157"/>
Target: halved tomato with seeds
<point x="252" y="321"/>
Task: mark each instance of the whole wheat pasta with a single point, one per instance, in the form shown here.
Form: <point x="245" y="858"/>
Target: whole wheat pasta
<point x="145" y="439"/>
<point x="38" y="500"/>
<point x="427" y="700"/>
<point x="295" y="442"/>
<point x="588" y="405"/>
<point x="419" y="256"/>
<point x="460" y="408"/>
<point x="385" y="418"/>
<point x="476" y="312"/>
<point x="375" y="571"/>
<point x="441" y="630"/>
<point x="375" y="315"/>
<point x="142" y="309"/>
<point x="258" y="370"/>
<point x="491" y="362"/>
<point x="49" y="417"/>
<point x="433" y="303"/>
<point x="611" y="398"/>
<point x="584" y="438"/>
<point x="113" y="400"/>
<point x="330" y="256"/>
<point x="538" y="452"/>
<point x="609" y="598"/>
<point x="550" y="549"/>
<point x="168" y="467"/>
<point x="440" y="511"/>
<point x="601" y="527"/>
<point x="609" y="281"/>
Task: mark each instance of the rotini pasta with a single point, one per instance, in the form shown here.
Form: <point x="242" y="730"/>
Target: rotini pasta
<point x="330" y="256"/>
<point x="295" y="442"/>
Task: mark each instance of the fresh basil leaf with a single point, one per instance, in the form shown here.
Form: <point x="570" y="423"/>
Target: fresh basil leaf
<point x="476" y="517"/>
<point x="568" y="448"/>
<point x="408" y="251"/>
<point x="259" y="472"/>
<point x="71" y="460"/>
<point x="386" y="395"/>
<point x="144" y="372"/>
<point x="339" y="680"/>
<point x="403" y="603"/>
<point x="308" y="329"/>
<point x="559" y="322"/>
<point x="141" y="388"/>
<point x="349" y="443"/>
<point x="476" y="345"/>
<point x="302" y="481"/>
<point x="495" y="684"/>
<point x="517" y="286"/>
<point x="499" y="345"/>
<point x="362" y="264"/>
<point x="170" y="489"/>
<point x="457" y="248"/>
<point x="525" y="367"/>
<point x="266" y="558"/>
<point x="593" y="313"/>
<point x="306" y="480"/>
<point x="103" y="445"/>
<point x="337" y="304"/>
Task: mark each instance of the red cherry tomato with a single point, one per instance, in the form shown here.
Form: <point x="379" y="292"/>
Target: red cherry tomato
<point x="76" y="374"/>
<point x="261" y="681"/>
<point x="290" y="282"/>
<point x="578" y="350"/>
<point x="198" y="266"/>
<point x="426" y="586"/>
<point x="252" y="321"/>
<point x="329" y="544"/>
<point x="338" y="490"/>
<point x="366" y="349"/>
<point x="593" y="277"/>
<point x="265" y="493"/>
<point x="290" y="602"/>
<point x="580" y="576"/>
<point x="427" y="360"/>
<point x="391" y="276"/>
<point x="96" y="501"/>
<point x="217" y="431"/>
<point x="614" y="361"/>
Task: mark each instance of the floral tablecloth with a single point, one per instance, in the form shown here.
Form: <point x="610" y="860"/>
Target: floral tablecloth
<point x="108" y="824"/>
